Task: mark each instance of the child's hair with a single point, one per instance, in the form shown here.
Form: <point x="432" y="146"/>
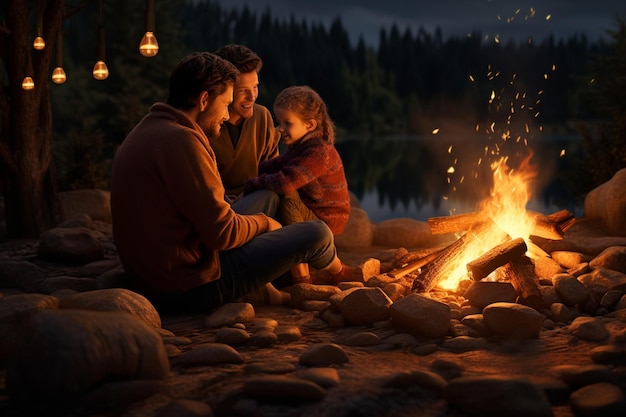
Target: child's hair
<point x="307" y="104"/>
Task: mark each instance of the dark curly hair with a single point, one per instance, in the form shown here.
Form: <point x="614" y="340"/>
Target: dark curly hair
<point x="241" y="57"/>
<point x="198" y="72"/>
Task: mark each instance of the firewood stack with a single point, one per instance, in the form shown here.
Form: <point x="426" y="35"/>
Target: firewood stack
<point x="507" y="258"/>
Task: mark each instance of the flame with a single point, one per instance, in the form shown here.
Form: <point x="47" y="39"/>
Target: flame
<point x="506" y="210"/>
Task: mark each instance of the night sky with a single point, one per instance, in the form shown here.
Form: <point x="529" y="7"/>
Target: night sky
<point x="505" y="19"/>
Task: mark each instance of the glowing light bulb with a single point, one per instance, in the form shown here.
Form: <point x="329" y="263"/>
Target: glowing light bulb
<point x="58" y="76"/>
<point x="28" y="83"/>
<point x="100" y="71"/>
<point x="149" y="46"/>
<point x="39" y="43"/>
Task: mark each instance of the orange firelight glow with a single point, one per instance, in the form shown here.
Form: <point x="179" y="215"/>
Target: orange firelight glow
<point x="506" y="208"/>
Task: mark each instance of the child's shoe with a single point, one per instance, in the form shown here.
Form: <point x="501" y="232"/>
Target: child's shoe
<point x="345" y="274"/>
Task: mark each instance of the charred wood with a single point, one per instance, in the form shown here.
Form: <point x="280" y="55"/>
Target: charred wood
<point x="414" y="265"/>
<point x="455" y="223"/>
<point x="552" y="226"/>
<point x="430" y="274"/>
<point x="521" y="273"/>
<point x="499" y="255"/>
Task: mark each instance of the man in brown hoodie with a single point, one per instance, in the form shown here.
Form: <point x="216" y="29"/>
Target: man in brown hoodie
<point x="181" y="243"/>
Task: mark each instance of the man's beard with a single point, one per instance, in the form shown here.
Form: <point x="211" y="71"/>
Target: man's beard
<point x="212" y="131"/>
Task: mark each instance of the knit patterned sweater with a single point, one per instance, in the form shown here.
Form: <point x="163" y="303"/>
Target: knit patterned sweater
<point x="314" y="168"/>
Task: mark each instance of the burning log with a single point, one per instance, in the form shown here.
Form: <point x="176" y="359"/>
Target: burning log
<point x="553" y="226"/>
<point x="499" y="255"/>
<point x="521" y="273"/>
<point x="414" y="265"/>
<point x="455" y="223"/>
<point x="431" y="272"/>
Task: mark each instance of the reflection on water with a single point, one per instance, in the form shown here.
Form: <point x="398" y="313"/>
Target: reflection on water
<point x="409" y="177"/>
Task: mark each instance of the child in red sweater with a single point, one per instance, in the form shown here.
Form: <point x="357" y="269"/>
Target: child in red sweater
<point x="309" y="175"/>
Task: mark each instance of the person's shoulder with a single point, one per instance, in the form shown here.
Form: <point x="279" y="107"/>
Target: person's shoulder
<point x="261" y="111"/>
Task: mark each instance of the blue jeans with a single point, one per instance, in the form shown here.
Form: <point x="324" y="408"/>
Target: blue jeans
<point x="259" y="201"/>
<point x="248" y="267"/>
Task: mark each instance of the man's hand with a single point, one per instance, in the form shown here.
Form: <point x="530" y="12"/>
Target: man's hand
<point x="273" y="224"/>
<point x="231" y="198"/>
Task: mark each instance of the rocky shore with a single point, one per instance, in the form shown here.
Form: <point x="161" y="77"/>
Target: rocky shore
<point x="75" y="342"/>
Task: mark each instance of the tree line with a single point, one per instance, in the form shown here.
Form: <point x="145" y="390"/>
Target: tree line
<point x="410" y="83"/>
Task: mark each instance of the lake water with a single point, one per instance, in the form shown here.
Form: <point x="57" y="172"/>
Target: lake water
<point x="409" y="177"/>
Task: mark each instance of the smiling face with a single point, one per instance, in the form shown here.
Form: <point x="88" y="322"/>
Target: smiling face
<point x="291" y="127"/>
<point x="245" y="94"/>
<point x="213" y="113"/>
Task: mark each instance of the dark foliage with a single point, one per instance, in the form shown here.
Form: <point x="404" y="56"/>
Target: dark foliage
<point x="409" y="84"/>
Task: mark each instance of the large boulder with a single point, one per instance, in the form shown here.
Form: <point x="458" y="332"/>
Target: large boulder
<point x="93" y="202"/>
<point x="608" y="203"/>
<point x="358" y="231"/>
<point x="65" y="353"/>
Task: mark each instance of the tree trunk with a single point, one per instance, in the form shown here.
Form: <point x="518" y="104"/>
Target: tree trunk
<point x="28" y="174"/>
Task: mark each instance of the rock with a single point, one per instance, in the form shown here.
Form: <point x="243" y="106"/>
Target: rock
<point x="76" y="245"/>
<point x="231" y="336"/>
<point x="607" y="279"/>
<point x="278" y="387"/>
<point x="568" y="259"/>
<point x="363" y="306"/>
<point x="114" y="299"/>
<point x="267" y="367"/>
<point x="287" y="334"/>
<point x="609" y="354"/>
<point x="579" y="376"/>
<point x="482" y="293"/>
<point x="359" y="339"/>
<point x="367" y="269"/>
<point x="546" y="267"/>
<point x="560" y="313"/>
<point x="20" y="274"/>
<point x="426" y="379"/>
<point x="589" y="328"/>
<point x="323" y="354"/>
<point x="65" y="353"/>
<point x="264" y="338"/>
<point x="303" y="292"/>
<point x="601" y="399"/>
<point x="570" y="290"/>
<point x="15" y="312"/>
<point x="324" y="377"/>
<point x="497" y="396"/>
<point x="358" y="231"/>
<point x="608" y="203"/>
<point x="513" y="321"/>
<point x="92" y="202"/>
<point x="403" y="232"/>
<point x="613" y="258"/>
<point x="117" y="394"/>
<point x="421" y="316"/>
<point x="210" y="354"/>
<point x="229" y="314"/>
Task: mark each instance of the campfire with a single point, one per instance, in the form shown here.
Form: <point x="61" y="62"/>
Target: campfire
<point x="494" y="243"/>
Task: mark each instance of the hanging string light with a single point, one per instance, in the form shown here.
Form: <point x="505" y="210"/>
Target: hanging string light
<point x="58" y="74"/>
<point x="27" y="82"/>
<point x="39" y="43"/>
<point x="149" y="46"/>
<point x="100" y="70"/>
